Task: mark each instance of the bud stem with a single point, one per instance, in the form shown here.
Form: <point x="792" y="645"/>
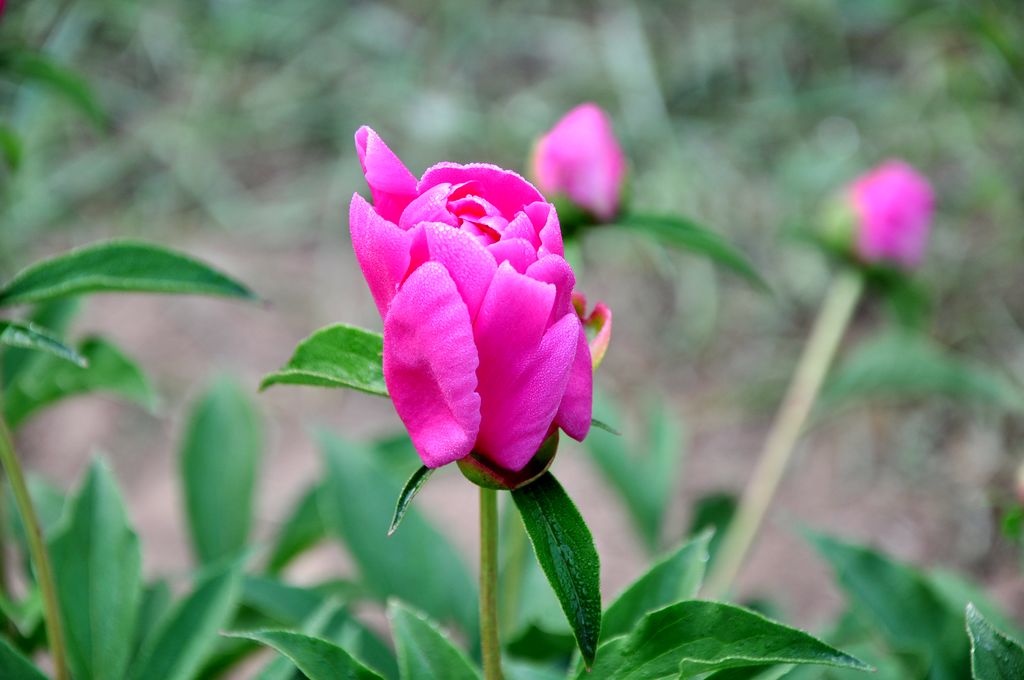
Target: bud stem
<point x="490" y="646"/>
<point x="833" y="319"/>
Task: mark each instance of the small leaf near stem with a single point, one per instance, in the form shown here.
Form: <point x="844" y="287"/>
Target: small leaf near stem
<point x="409" y="491"/>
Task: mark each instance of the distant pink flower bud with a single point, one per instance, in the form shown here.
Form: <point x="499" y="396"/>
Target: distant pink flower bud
<point x="581" y="159"/>
<point x="484" y="351"/>
<point x="893" y="205"/>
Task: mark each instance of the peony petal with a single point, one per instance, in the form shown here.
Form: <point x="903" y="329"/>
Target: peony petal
<point x="430" y="206"/>
<point x="518" y="252"/>
<point x="555" y="270"/>
<point x="430" y="365"/>
<point x="545" y="220"/>
<point x="467" y="261"/>
<point x="506" y="190"/>
<point x="382" y="250"/>
<point x="391" y="183"/>
<point x="522" y="227"/>
<point x="576" y="410"/>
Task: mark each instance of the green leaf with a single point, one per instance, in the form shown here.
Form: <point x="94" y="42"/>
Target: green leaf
<point x="423" y="650"/>
<point x="909" y="366"/>
<point x="409" y="491"/>
<point x="303" y="529"/>
<point x="30" y="336"/>
<point x="694" y="637"/>
<point x="355" y="507"/>
<point x="565" y="550"/>
<point x="220" y="461"/>
<point x="156" y="602"/>
<point x="52" y="379"/>
<point x="187" y="635"/>
<point x="286" y="604"/>
<point x="14" y="666"/>
<point x="55" y="316"/>
<point x="119" y="266"/>
<point x="676" y="577"/>
<point x="680" y="232"/>
<point x="314" y="625"/>
<point x="336" y="356"/>
<point x="713" y="511"/>
<point x="35" y="68"/>
<point x="317" y="659"/>
<point x="10" y="147"/>
<point x="97" y="566"/>
<point x="994" y="656"/>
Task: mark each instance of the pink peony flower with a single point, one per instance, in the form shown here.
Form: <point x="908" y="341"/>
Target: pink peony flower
<point x="893" y="205"/>
<point x="581" y="159"/>
<point x="483" y="349"/>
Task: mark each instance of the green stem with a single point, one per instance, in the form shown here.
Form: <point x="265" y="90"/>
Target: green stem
<point x="491" y="648"/>
<point x="829" y="327"/>
<point x="37" y="551"/>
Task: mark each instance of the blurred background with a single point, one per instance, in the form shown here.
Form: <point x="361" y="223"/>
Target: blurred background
<point x="224" y="128"/>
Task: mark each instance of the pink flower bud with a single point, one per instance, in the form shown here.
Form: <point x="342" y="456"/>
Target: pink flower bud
<point x="484" y="351"/>
<point x="893" y="205"/>
<point x="581" y="159"/>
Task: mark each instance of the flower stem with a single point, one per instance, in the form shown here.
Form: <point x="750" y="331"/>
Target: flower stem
<point x="37" y="551"/>
<point x="491" y="648"/>
<point x="829" y="327"/>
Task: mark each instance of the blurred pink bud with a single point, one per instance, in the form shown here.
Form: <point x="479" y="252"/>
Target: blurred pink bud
<point x="893" y="205"/>
<point x="581" y="159"/>
<point x="483" y="349"/>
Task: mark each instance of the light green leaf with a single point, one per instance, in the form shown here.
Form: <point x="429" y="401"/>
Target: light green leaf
<point x="424" y="652"/>
<point x="56" y="316"/>
<point x="694" y="637"/>
<point x="156" y="602"/>
<point x="30" y="336"/>
<point x="52" y="379"/>
<point x="187" y="635"/>
<point x="409" y="491"/>
<point x="336" y="356"/>
<point x="680" y="232"/>
<point x="287" y="604"/>
<point x="994" y="656"/>
<point x="97" y="566"/>
<point x="34" y="67"/>
<point x="676" y="577"/>
<point x="713" y="511"/>
<point x="317" y="659"/>
<point x="220" y="460"/>
<point x="303" y="529"/>
<point x="565" y="550"/>
<point x="14" y="666"/>
<point x="119" y="266"/>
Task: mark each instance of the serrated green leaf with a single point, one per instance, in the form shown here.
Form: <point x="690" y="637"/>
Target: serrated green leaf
<point x="683" y="233"/>
<point x="409" y="491"/>
<point x="695" y="637"/>
<point x="676" y="577"/>
<point x="14" y="666"/>
<point x="36" y="68"/>
<point x="565" y="550"/>
<point x="994" y="656"/>
<point x="303" y="529"/>
<point x="220" y="460"/>
<point x="50" y="380"/>
<point x="97" y="566"/>
<point x="119" y="266"/>
<point x="336" y="356"/>
<point x="318" y="659"/>
<point x="187" y="635"/>
<point x="30" y="336"/>
<point x="424" y="652"/>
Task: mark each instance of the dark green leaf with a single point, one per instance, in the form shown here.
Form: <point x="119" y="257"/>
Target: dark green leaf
<point x="35" y="68"/>
<point x="694" y="637"/>
<point x="303" y="529"/>
<point x="97" y="566"/>
<point x="286" y="604"/>
<point x="14" y="666"/>
<point x="601" y="425"/>
<point x="336" y="356"/>
<point x="30" y="336"/>
<point x="565" y="550"/>
<point x="156" y="602"/>
<point x="51" y="380"/>
<point x="677" y="577"/>
<point x="10" y="147"/>
<point x="686" y="234"/>
<point x="220" y="460"/>
<point x="317" y="659"/>
<point x="315" y="625"/>
<point x="409" y="491"/>
<point x="994" y="656"/>
<point x="355" y="506"/>
<point x="118" y="266"/>
<point x="424" y="652"/>
<point x="187" y="635"/>
<point x="713" y="511"/>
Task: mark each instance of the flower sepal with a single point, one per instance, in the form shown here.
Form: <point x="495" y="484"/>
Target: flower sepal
<point x="485" y="473"/>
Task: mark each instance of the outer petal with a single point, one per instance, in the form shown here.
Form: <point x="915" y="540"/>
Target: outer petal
<point x="577" y="407"/>
<point x="555" y="270"/>
<point x="430" y="365"/>
<point x="391" y="183"/>
<point x="468" y="263"/>
<point x="382" y="250"/>
<point x="506" y="190"/>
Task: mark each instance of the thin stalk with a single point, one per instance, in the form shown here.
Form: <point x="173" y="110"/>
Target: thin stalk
<point x="490" y="646"/>
<point x="829" y="327"/>
<point x="37" y="551"/>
